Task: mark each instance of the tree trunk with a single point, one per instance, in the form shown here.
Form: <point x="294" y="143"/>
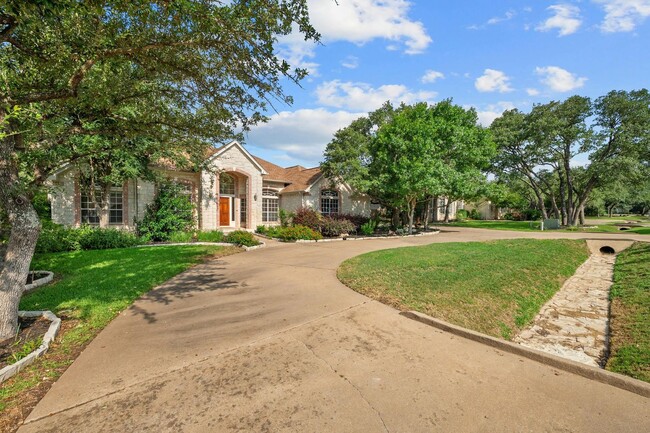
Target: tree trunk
<point x="25" y="228"/>
<point x="411" y="214"/>
<point x="582" y="215"/>
<point x="395" y="218"/>
<point x="427" y="205"/>
<point x="556" y="210"/>
<point x="447" y="206"/>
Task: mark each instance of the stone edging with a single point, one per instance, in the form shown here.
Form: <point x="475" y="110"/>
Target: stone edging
<point x="48" y="338"/>
<point x="216" y="244"/>
<point x="370" y="238"/>
<point x="603" y="376"/>
<point x="41" y="281"/>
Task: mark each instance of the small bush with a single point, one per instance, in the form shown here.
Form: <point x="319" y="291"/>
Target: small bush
<point x="462" y="214"/>
<point x="56" y="238"/>
<point x="369" y="227"/>
<point x="241" y="237"/>
<point x="180" y="237"/>
<point x="357" y="220"/>
<point x="261" y="230"/>
<point x="475" y="214"/>
<point x="331" y="227"/>
<point x="211" y="236"/>
<point x="307" y="217"/>
<point x="286" y="217"/>
<point x="171" y="211"/>
<point x="295" y="233"/>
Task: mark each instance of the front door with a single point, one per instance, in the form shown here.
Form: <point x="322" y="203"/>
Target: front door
<point x="224" y="211"/>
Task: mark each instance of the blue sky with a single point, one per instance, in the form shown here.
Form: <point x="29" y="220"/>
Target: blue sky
<point x="484" y="54"/>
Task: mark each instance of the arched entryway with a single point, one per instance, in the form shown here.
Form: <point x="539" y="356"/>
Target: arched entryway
<point x="233" y="200"/>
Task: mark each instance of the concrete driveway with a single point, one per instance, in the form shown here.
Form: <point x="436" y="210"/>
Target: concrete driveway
<point x="271" y="341"/>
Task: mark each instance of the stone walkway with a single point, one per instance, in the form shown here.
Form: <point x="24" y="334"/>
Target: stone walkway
<point x="574" y="323"/>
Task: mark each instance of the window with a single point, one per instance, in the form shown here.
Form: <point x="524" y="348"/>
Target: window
<point x="88" y="208"/>
<point x="116" y="205"/>
<point x="270" y="205"/>
<point x="243" y="208"/>
<point x="329" y="202"/>
<point x="226" y="184"/>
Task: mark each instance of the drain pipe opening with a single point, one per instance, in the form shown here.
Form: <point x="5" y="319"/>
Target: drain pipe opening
<point x="607" y="250"/>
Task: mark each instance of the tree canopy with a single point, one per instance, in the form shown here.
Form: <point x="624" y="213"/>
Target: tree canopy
<point x="114" y="85"/>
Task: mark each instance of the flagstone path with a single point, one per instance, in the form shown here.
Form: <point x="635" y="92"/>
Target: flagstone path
<point x="574" y="323"/>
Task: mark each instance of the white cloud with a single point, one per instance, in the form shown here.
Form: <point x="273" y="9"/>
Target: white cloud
<point x="558" y="79"/>
<point x="432" y="76"/>
<point x="358" y="22"/>
<point x="301" y="135"/>
<point x="364" y="97"/>
<point x="350" y="62"/>
<point x="566" y="18"/>
<point x="494" y="20"/>
<point x="487" y="114"/>
<point x="532" y="92"/>
<point x="493" y="81"/>
<point x="623" y="15"/>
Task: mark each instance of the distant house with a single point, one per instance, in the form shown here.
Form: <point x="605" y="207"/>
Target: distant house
<point x="247" y="191"/>
<point x="486" y="209"/>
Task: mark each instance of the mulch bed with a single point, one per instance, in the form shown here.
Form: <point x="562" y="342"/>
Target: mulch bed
<point x="32" y="276"/>
<point x="31" y="328"/>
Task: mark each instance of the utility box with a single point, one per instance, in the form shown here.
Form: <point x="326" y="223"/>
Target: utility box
<point x="551" y="224"/>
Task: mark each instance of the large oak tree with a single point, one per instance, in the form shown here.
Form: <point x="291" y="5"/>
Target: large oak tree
<point x="113" y="85"/>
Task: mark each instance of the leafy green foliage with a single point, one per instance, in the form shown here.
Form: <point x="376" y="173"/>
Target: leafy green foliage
<point x="241" y="237"/>
<point x="290" y="234"/>
<point x="171" y="211"/>
<point x="24" y="348"/>
<point x="56" y="238"/>
<point x="286" y="217"/>
<point x="210" y="236"/>
<point x="369" y="227"/>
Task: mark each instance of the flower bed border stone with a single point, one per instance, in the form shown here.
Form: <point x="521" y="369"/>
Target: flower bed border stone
<point x="55" y="325"/>
<point x="41" y="281"/>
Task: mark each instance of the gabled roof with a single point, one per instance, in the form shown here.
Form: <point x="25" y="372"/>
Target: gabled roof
<point x="221" y="150"/>
<point x="297" y="177"/>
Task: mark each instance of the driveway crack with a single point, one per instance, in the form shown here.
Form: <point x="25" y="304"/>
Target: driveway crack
<point x="328" y="365"/>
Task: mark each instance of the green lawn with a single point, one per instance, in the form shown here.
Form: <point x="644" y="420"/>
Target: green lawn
<point x="91" y="288"/>
<point x="534" y="226"/>
<point x="492" y="287"/>
<point x="630" y="313"/>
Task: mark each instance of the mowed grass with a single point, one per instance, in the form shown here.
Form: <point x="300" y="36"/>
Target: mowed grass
<point x="90" y="289"/>
<point x="535" y="226"/>
<point x="492" y="287"/>
<point x="630" y="313"/>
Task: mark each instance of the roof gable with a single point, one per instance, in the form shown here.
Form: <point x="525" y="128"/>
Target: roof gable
<point x="221" y="150"/>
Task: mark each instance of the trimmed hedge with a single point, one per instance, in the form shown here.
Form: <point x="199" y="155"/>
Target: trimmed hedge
<point x="290" y="234"/>
<point x="332" y="228"/>
<point x="241" y="237"/>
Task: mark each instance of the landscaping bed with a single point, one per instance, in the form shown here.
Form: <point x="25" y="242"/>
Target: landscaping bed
<point x="28" y="338"/>
<point x="93" y="287"/>
<point x="630" y="313"/>
<point x="495" y="287"/>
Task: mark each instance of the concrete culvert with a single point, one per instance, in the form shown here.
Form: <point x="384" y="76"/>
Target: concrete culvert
<point x="623" y="228"/>
<point x="607" y="250"/>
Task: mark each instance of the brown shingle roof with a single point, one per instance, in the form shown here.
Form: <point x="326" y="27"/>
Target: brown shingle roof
<point x="299" y="178"/>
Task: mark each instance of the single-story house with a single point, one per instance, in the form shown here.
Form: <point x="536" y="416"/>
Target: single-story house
<point x="237" y="190"/>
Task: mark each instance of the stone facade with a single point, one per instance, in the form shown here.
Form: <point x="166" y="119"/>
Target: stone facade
<point x="233" y="160"/>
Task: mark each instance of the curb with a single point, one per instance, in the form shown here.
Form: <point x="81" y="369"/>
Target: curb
<point x="370" y="238"/>
<point x="216" y="244"/>
<point x="603" y="376"/>
<point x="48" y="338"/>
<point x="41" y="281"/>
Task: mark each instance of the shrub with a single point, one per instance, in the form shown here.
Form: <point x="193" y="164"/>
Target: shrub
<point x="475" y="214"/>
<point x="295" y="233"/>
<point x="56" y="238"/>
<point x="331" y="227"/>
<point x="171" y="211"/>
<point x="241" y="237"/>
<point x="357" y="220"/>
<point x="285" y="217"/>
<point x="462" y="214"/>
<point x="307" y="217"/>
<point x="210" y="236"/>
<point x="261" y="230"/>
<point x="180" y="237"/>
<point x="369" y="227"/>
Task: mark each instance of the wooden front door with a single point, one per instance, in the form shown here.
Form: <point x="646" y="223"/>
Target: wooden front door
<point x="224" y="211"/>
